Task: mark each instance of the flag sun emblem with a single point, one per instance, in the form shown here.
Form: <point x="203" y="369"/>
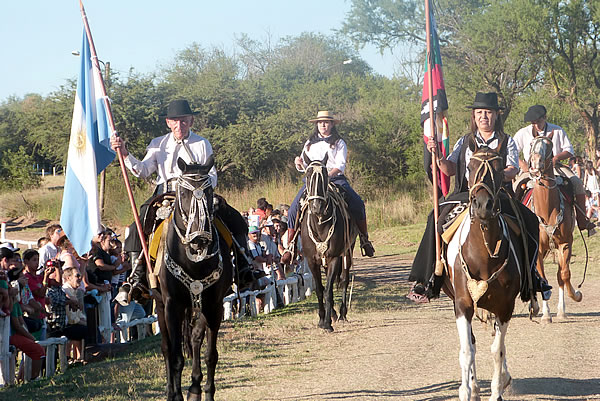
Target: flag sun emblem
<point x="80" y="140"/>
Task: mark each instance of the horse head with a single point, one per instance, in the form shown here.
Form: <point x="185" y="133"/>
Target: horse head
<point x="193" y="213"/>
<point x="486" y="172"/>
<point x="317" y="182"/>
<point x="540" y="158"/>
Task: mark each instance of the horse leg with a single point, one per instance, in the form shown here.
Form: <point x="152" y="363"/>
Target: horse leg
<point x="501" y="378"/>
<point x="315" y="269"/>
<point x="546" y="315"/>
<point x="466" y="357"/>
<point x="172" y="351"/>
<point x="344" y="281"/>
<point x="211" y="356"/>
<point x="194" y="391"/>
<point x="334" y="265"/>
<point x="564" y="281"/>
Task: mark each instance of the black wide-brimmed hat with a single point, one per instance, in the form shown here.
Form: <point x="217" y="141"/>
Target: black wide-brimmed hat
<point x="178" y="108"/>
<point x="486" y="101"/>
<point x="534" y="113"/>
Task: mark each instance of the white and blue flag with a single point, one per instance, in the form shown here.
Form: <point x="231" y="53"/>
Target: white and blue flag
<point x="89" y="154"/>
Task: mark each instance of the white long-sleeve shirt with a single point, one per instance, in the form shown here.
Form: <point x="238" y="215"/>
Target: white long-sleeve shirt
<point x="161" y="157"/>
<point x="337" y="155"/>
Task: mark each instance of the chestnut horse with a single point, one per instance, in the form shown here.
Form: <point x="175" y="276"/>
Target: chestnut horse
<point x="557" y="221"/>
<point x="196" y="275"/>
<point x="328" y="237"/>
<point x="485" y="270"/>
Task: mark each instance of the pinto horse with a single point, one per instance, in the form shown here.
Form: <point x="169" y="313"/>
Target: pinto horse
<point x="328" y="237"/>
<point x="557" y="221"/>
<point x="484" y="270"/>
<point x="196" y="275"/>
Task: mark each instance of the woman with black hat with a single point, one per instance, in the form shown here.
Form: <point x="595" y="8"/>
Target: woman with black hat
<point x="486" y="130"/>
<point x="325" y="140"/>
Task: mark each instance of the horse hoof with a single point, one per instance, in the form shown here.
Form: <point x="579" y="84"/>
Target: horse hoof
<point x="561" y="317"/>
<point x="546" y="319"/>
<point x="328" y="329"/>
<point x="194" y="397"/>
<point x="578" y="296"/>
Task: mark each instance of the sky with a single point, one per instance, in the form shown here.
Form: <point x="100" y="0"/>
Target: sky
<point x="38" y="36"/>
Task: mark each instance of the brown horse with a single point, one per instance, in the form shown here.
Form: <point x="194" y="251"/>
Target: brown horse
<point x="557" y="221"/>
<point x="484" y="270"/>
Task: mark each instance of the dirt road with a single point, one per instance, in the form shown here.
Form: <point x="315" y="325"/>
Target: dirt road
<point x="411" y="352"/>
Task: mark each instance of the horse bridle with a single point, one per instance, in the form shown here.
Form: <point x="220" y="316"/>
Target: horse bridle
<point x="539" y="176"/>
<point x="198" y="211"/>
<point x="483" y="170"/>
<point x="315" y="179"/>
<point x="487" y="168"/>
<point x="536" y="147"/>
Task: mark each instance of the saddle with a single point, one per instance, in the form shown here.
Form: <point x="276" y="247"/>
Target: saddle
<point x="525" y="195"/>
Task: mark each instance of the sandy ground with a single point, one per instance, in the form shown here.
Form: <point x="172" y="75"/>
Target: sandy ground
<point x="411" y="353"/>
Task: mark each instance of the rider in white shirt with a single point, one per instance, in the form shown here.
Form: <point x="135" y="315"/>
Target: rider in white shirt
<point x="562" y="150"/>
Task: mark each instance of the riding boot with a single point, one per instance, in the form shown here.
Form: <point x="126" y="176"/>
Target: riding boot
<point x="365" y="245"/>
<point x="286" y="258"/>
<point x="135" y="288"/>
<point x="582" y="221"/>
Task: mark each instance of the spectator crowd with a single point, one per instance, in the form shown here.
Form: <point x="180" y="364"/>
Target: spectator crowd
<point x="54" y="292"/>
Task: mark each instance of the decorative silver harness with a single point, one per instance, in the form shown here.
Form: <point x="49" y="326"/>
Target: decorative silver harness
<point x="198" y="212"/>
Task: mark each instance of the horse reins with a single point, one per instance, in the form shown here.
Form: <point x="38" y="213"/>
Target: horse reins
<point x="333" y="202"/>
<point x="487" y="169"/>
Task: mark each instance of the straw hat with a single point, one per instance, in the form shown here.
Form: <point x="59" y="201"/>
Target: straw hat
<point x="324" y="116"/>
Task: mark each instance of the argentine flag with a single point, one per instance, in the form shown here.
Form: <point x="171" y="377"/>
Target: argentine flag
<point x="89" y="154"/>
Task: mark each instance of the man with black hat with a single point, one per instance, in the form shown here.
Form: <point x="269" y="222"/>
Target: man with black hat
<point x="562" y="150"/>
<point x="161" y="158"/>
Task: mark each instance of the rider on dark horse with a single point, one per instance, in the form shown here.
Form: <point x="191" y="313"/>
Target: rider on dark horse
<point x="486" y="130"/>
<point x="326" y="141"/>
<point x="562" y="150"/>
<point x="161" y="158"/>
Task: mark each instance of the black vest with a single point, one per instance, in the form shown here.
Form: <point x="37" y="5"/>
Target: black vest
<point x="460" y="181"/>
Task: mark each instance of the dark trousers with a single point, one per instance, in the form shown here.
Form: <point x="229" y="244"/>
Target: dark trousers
<point x="356" y="206"/>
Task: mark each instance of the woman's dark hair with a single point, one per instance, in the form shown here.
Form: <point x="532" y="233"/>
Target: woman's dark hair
<point x="331" y="140"/>
<point x="29" y="253"/>
<point x="498" y="125"/>
<point x="261" y="203"/>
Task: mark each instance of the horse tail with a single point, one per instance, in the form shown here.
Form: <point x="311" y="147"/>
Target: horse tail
<point x="186" y="331"/>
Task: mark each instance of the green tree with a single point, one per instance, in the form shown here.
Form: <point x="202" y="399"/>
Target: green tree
<point x="16" y="167"/>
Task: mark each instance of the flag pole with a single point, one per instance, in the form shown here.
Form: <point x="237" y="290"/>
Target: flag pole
<point x="434" y="155"/>
<point x="111" y="122"/>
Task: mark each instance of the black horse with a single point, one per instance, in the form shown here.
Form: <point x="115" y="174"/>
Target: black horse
<point x="328" y="237"/>
<point x="196" y="274"/>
